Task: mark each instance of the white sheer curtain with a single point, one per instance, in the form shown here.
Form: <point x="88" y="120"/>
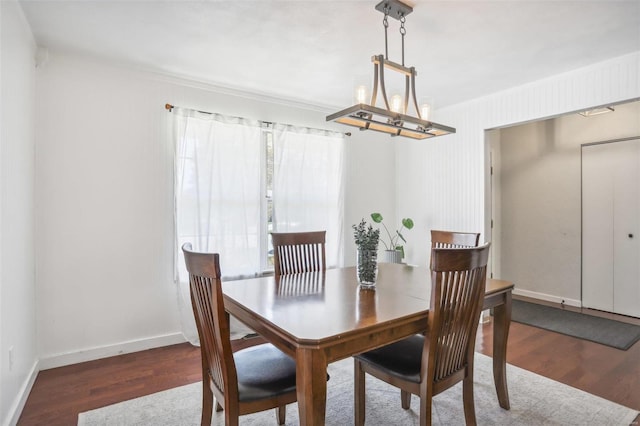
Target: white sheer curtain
<point x="217" y="196"/>
<point x="308" y="184"/>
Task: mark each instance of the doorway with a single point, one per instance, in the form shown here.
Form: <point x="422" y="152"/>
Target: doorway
<point x="533" y="199"/>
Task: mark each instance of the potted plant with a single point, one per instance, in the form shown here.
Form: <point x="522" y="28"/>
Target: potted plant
<point x="394" y="250"/>
<point x="366" y="239"/>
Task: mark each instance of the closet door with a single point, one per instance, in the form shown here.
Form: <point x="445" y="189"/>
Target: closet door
<point x="626" y="239"/>
<point x="610" y="221"/>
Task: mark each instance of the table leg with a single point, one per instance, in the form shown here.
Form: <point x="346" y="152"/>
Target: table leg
<point x="311" y="383"/>
<point x="501" y="322"/>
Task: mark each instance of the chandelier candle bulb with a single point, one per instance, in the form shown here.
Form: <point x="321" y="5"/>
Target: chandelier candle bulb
<point x="396" y="104"/>
<point x="425" y="111"/>
<point x="361" y="94"/>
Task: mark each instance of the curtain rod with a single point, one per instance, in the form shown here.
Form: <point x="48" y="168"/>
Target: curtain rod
<point x="170" y="108"/>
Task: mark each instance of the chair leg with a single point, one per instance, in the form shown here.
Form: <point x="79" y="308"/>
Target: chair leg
<point x="207" y="404"/>
<point x="231" y="418"/>
<point x="467" y="398"/>
<point x="425" y="409"/>
<point x="281" y="414"/>
<point x="405" y="399"/>
<point x="359" y="393"/>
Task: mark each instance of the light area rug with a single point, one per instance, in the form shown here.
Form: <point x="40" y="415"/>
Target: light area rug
<point x="535" y="400"/>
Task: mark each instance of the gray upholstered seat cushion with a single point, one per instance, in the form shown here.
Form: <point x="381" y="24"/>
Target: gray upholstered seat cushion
<point x="263" y="372"/>
<point x="401" y="359"/>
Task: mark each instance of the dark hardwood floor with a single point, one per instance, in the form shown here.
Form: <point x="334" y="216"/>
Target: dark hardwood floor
<point x="59" y="394"/>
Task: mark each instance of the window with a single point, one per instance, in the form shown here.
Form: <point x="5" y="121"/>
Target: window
<point x="237" y="180"/>
<point x="307" y="184"/>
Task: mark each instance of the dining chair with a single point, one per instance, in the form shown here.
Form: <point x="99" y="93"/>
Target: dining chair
<point x="451" y="239"/>
<point x="250" y="380"/>
<point x="430" y="364"/>
<point x="295" y="252"/>
<point x="441" y="239"/>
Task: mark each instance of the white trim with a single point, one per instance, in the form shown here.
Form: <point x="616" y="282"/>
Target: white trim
<point x="548" y="297"/>
<point x="69" y="358"/>
<point x="21" y="399"/>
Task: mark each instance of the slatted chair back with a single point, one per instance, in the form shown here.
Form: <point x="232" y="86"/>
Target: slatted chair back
<point x="450" y="239"/>
<point x="458" y="279"/>
<point x="430" y="364"/>
<point x="211" y="320"/>
<point x="296" y="252"/>
<point x="253" y="379"/>
<point x="443" y="239"/>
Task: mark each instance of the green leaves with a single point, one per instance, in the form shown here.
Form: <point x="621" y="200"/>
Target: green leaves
<point x="407" y="223"/>
<point x="366" y="238"/>
<point x="377" y="217"/>
<point x="393" y="239"/>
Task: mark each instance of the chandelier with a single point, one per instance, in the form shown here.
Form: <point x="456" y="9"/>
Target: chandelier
<point x="394" y="118"/>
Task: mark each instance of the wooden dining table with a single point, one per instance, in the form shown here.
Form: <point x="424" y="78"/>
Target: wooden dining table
<point x="321" y="317"/>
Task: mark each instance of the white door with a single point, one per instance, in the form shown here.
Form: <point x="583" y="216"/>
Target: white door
<point x="610" y="225"/>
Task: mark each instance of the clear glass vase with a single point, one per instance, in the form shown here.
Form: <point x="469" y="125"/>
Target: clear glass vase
<point x="367" y="267"/>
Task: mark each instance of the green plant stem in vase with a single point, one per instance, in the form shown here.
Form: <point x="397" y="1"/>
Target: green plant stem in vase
<point x="367" y="266"/>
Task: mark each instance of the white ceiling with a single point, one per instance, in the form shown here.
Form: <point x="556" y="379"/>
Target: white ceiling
<point x="313" y="51"/>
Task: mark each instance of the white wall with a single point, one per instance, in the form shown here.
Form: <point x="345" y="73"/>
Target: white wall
<point x="440" y="182"/>
<point x="370" y="183"/>
<point x="104" y="191"/>
<point x="541" y="199"/>
<point x="17" y="263"/>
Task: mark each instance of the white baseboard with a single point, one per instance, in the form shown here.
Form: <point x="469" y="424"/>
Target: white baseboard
<point x="21" y="399"/>
<point x="548" y="297"/>
<point x="60" y="360"/>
